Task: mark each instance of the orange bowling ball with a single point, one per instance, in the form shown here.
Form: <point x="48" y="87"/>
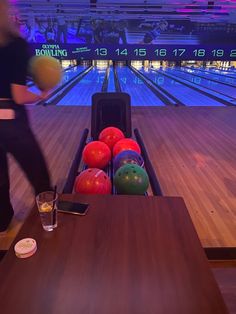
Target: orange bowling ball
<point x="46" y="72"/>
<point x="126" y="144"/>
<point x="111" y="136"/>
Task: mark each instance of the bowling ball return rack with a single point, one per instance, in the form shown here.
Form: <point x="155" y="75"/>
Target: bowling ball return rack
<point x="110" y="109"/>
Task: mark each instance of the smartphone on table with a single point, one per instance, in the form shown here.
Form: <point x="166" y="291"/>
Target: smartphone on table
<point x="68" y="207"/>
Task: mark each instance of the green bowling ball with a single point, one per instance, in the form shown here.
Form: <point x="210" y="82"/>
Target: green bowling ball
<point x="131" y="179"/>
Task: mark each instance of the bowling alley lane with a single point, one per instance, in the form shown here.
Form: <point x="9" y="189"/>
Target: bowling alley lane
<point x="140" y="94"/>
<point x="209" y="75"/>
<point x="223" y="89"/>
<point x="82" y="92"/>
<point x="186" y="95"/>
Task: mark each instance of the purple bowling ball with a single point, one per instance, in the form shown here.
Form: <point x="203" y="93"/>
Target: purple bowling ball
<point x="127" y="157"/>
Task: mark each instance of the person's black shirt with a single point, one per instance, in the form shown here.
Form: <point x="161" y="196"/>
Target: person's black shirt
<point x="14" y="58"/>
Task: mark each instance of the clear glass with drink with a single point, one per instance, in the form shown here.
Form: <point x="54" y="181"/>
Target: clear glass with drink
<point x="47" y="207"/>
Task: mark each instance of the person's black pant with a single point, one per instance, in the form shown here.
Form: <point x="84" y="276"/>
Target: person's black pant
<point x="17" y="139"/>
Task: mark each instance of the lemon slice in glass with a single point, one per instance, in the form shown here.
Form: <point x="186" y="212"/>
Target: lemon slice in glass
<point x="45" y="207"/>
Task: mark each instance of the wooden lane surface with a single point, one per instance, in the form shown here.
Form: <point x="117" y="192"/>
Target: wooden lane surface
<point x="193" y="152"/>
<point x="192" y="149"/>
<point x="129" y="254"/>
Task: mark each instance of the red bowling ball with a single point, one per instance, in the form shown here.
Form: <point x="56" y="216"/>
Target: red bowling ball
<point x="96" y="155"/>
<point x="111" y="136"/>
<point x="126" y="144"/>
<point x="93" y="181"/>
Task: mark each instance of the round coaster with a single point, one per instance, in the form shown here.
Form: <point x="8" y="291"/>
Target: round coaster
<point x="25" y="248"/>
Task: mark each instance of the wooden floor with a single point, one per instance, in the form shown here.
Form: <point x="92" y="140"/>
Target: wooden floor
<point x="193" y="151"/>
<point x="226" y="280"/>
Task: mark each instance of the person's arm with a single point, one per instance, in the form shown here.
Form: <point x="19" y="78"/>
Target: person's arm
<point x="18" y="71"/>
<point x="21" y="95"/>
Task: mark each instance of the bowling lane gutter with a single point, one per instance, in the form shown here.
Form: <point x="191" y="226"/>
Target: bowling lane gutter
<point x="161" y="93"/>
<point x="59" y="93"/>
<point x="105" y="81"/>
<point x="68" y="187"/>
<point x="117" y="82"/>
<point x="155" y="185"/>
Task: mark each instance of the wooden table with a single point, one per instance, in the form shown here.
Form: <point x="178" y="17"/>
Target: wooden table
<point x="128" y="255"/>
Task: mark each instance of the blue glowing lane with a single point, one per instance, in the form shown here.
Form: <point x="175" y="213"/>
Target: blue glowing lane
<point x="231" y="73"/>
<point x="81" y="93"/>
<point x="211" y="85"/>
<point x="185" y="94"/>
<point x="140" y="94"/>
<point x="209" y="75"/>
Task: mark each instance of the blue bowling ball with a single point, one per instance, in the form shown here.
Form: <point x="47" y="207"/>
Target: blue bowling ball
<point x="127" y="157"/>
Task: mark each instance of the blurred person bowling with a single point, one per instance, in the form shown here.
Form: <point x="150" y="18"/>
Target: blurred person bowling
<point x="16" y="136"/>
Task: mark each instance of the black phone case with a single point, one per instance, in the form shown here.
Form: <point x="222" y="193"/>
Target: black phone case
<point x="72" y="208"/>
